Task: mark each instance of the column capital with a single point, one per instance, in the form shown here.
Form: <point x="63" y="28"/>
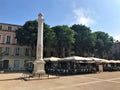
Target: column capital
<point x="40" y="15"/>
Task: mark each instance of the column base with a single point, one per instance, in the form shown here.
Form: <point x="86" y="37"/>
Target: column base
<point x="39" y="67"/>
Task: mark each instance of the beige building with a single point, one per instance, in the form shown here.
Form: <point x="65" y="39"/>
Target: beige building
<point x="15" y="55"/>
<point x="115" y="51"/>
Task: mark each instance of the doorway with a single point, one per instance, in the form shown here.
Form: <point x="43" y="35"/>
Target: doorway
<point x="5" y="64"/>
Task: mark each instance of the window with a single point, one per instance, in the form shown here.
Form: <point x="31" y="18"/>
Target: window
<point x="9" y="28"/>
<point x="27" y="52"/>
<point x="25" y="61"/>
<point x="8" y="39"/>
<point x="16" y="64"/>
<point x="7" y="50"/>
<point x="0" y="38"/>
<point x="0" y="49"/>
<point x="1" y="64"/>
<point x="15" y="41"/>
<point x="17" y="51"/>
<point x="0" y="27"/>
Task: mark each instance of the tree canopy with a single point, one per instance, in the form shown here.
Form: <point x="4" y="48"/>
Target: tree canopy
<point x="84" y="40"/>
<point x="104" y="43"/>
<point x="27" y="35"/>
<point x="66" y="41"/>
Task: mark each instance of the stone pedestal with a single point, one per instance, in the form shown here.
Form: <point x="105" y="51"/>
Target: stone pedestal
<point x="39" y="67"/>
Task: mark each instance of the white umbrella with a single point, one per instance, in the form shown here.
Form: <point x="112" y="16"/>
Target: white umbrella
<point x="51" y="59"/>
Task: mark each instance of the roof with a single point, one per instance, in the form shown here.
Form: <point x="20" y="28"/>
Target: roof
<point x="11" y="24"/>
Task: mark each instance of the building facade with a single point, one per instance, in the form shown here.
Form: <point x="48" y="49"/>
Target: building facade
<point x="14" y="56"/>
<point x="115" y="51"/>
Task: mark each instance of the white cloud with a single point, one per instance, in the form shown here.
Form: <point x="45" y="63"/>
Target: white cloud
<point x="117" y="1"/>
<point x="81" y="16"/>
<point x="117" y="37"/>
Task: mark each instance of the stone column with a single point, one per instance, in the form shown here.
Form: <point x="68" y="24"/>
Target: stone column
<point x="39" y="62"/>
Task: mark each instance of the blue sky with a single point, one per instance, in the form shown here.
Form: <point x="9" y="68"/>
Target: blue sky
<point x="99" y="15"/>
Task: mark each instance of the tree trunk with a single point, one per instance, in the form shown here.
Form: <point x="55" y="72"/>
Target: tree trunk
<point x="63" y="52"/>
<point x="33" y="51"/>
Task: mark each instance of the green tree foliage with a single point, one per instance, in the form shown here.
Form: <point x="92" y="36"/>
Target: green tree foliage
<point x="116" y="56"/>
<point x="104" y="43"/>
<point x="1" y="53"/>
<point x="84" y="40"/>
<point x="49" y="37"/>
<point x="64" y="40"/>
<point x="27" y="35"/>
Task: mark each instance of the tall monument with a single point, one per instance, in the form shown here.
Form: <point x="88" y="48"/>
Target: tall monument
<point x="39" y="62"/>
